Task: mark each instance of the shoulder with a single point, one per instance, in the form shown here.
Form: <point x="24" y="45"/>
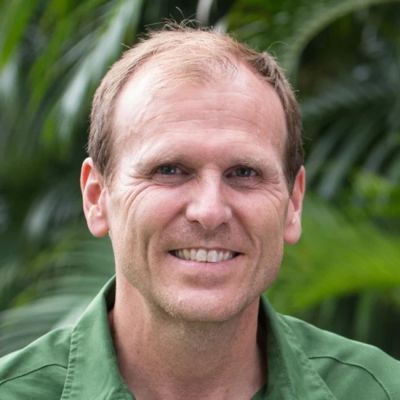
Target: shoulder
<point x="38" y="370"/>
<point x="351" y="369"/>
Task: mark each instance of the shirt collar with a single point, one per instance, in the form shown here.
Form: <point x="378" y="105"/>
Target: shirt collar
<point x="93" y="372"/>
<point x="290" y="376"/>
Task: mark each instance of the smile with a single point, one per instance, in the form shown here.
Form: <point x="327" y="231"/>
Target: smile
<point x="204" y="255"/>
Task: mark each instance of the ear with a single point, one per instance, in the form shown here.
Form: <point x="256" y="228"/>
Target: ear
<point x="293" y="218"/>
<point x="94" y="198"/>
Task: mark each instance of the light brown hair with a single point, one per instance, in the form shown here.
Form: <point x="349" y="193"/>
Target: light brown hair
<point x="188" y="52"/>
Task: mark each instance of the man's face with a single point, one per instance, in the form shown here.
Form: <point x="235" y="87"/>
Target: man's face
<point x="198" y="208"/>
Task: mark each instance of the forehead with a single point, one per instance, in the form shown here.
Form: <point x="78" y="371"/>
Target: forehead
<point x="155" y="102"/>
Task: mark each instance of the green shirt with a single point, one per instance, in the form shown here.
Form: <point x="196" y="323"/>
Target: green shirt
<point x="304" y="363"/>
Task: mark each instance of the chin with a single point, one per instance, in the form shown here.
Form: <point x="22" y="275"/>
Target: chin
<point x="204" y="307"/>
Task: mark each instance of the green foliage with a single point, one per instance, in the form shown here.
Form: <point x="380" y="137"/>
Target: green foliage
<point x="337" y="256"/>
<point x="344" y="276"/>
<point x="68" y="275"/>
<point x="343" y="57"/>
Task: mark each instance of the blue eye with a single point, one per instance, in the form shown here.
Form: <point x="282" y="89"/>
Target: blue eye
<point x="170" y="174"/>
<point x="243" y="172"/>
<point x="168" y="170"/>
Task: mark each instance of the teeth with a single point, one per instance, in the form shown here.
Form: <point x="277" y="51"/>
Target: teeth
<point x="212" y="256"/>
<point x="201" y="255"/>
<point x="204" y="255"/>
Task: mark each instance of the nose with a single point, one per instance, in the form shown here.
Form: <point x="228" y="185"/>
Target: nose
<point x="208" y="205"/>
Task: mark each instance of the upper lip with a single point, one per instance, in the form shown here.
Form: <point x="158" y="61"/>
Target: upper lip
<point x="208" y="248"/>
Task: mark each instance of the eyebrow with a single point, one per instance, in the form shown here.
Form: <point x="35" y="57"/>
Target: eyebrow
<point x="156" y="153"/>
<point x="150" y="159"/>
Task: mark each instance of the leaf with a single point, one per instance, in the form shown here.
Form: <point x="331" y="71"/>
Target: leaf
<point x="107" y="45"/>
<point x="335" y="257"/>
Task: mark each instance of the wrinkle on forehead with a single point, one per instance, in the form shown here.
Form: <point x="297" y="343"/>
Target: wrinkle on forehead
<point x="148" y="103"/>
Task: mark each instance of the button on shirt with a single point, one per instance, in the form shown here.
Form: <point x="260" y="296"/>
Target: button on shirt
<point x="304" y="362"/>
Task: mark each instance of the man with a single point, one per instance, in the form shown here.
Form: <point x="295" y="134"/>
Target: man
<point x="195" y="173"/>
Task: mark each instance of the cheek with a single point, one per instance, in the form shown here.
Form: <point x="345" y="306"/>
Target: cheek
<point x="157" y="207"/>
<point x="265" y="225"/>
<point x="263" y="215"/>
<point x="148" y="221"/>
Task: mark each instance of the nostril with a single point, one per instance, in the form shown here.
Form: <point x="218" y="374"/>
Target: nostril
<point x="209" y="218"/>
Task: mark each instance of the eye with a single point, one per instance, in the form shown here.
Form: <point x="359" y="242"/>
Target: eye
<point x="168" y="169"/>
<point x="170" y="174"/>
<point x="242" y="172"/>
<point x="243" y="177"/>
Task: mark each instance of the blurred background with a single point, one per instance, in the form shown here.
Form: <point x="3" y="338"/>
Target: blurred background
<point x="343" y="58"/>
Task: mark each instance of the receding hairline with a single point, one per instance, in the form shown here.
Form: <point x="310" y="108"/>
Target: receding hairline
<point x="185" y="55"/>
<point x="166" y="80"/>
<point x="152" y="81"/>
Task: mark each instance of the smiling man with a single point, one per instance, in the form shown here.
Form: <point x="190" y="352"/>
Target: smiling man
<point x="195" y="172"/>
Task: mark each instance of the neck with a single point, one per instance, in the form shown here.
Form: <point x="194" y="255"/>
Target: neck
<point x="161" y="357"/>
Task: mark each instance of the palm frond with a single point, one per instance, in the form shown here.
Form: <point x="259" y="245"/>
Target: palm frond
<point x="336" y="257"/>
<point x="100" y="52"/>
<point x="310" y="19"/>
<point x="75" y="269"/>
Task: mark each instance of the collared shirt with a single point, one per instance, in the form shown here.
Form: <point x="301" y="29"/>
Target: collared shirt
<point x="304" y="363"/>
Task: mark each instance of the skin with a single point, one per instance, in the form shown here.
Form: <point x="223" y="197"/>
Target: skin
<point x="200" y="167"/>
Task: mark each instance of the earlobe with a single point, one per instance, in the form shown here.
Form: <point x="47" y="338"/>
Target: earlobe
<point x="293" y="218"/>
<point x="93" y="197"/>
